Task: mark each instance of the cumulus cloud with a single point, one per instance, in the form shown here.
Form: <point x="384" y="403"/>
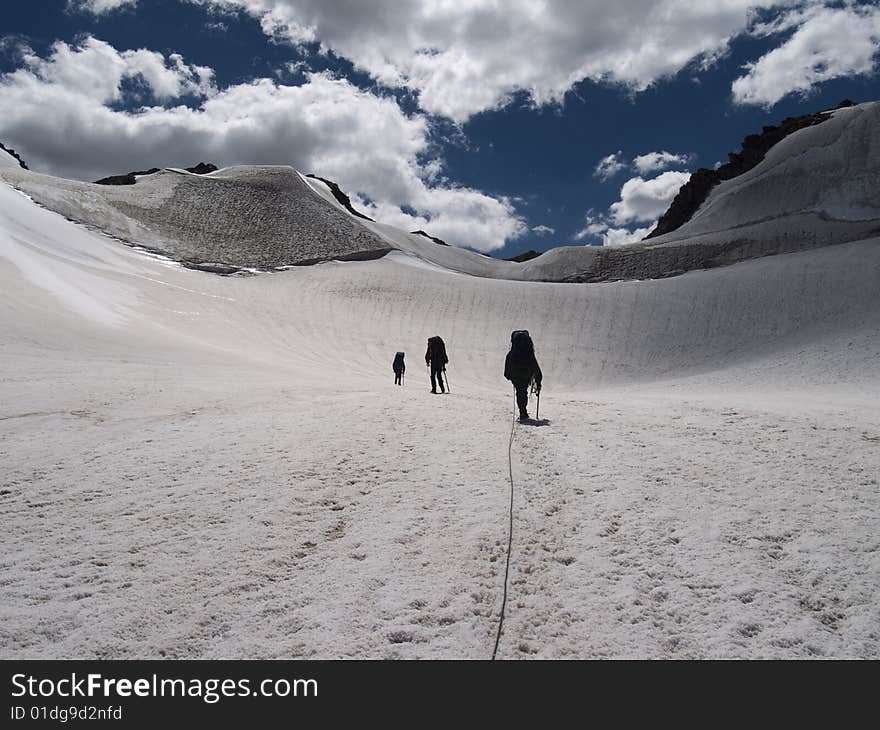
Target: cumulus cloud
<point x="593" y="226"/>
<point x="98" y="7"/>
<point x="828" y="43"/>
<point x="609" y="166"/>
<point x="94" y="71"/>
<point x="656" y="161"/>
<point x="463" y="57"/>
<point x="598" y="228"/>
<point x="646" y="200"/>
<point x="622" y="236"/>
<point x="327" y="125"/>
<point x="641" y="202"/>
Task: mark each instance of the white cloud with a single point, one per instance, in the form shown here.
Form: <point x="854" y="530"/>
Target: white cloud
<point x="656" y="161"/>
<point x="593" y="226"/>
<point x="599" y="228"/>
<point x="364" y="142"/>
<point x="646" y="200"/>
<point x="543" y="230"/>
<point x="609" y="166"/>
<point x="612" y="164"/>
<point x="95" y="71"/>
<point x="641" y="202"/>
<point x="463" y="57"/>
<point x="99" y="7"/>
<point x="622" y="236"/>
<point x="828" y="43"/>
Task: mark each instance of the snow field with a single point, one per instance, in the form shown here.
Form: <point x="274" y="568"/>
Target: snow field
<point x="199" y="466"/>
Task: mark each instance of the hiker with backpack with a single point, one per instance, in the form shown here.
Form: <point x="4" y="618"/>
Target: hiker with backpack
<point x="435" y="358"/>
<point x="521" y="368"/>
<point x="399" y="368"/>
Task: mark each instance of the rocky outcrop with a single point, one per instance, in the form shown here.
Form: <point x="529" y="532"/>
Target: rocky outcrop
<point x="14" y="154"/>
<point x="203" y="168"/>
<point x="127" y="179"/>
<point x="524" y="256"/>
<point x="754" y="149"/>
<point x="436" y="240"/>
<point x="340" y="196"/>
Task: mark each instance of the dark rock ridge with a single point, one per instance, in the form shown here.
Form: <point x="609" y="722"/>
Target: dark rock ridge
<point x="754" y="148"/>
<point x="340" y="196"/>
<point x="127" y="179"/>
<point x="524" y="256"/>
<point x="203" y="168"/>
<point x="439" y="241"/>
<point x="14" y="154"/>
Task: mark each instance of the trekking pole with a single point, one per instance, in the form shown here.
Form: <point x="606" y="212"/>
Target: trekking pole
<point x="448" y="389"/>
<point x="538" y="407"/>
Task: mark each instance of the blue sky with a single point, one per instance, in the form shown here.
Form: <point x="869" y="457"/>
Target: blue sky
<point x="482" y="122"/>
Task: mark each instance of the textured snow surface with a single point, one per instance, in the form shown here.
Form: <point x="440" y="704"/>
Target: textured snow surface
<point x="203" y="466"/>
<point x="249" y="216"/>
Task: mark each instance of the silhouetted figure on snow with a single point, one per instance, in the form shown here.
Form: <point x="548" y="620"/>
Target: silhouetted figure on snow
<point x="435" y="358"/>
<point x="399" y="367"/>
<point x="521" y="368"/>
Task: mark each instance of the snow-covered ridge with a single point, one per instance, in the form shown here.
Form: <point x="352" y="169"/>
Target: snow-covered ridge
<point x="246" y="217"/>
<point x="818" y="186"/>
<point x="9" y="158"/>
<point x="827" y="175"/>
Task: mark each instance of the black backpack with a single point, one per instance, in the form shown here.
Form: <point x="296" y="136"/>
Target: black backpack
<point x="520" y="363"/>
<point x="521" y="345"/>
<point x="398" y="363"/>
<point x="437" y="348"/>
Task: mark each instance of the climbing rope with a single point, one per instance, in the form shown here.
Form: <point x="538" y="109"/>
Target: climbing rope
<point x="509" y="533"/>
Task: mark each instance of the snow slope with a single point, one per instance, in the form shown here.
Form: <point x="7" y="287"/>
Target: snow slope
<point x="204" y="466"/>
<point x="7" y="160"/>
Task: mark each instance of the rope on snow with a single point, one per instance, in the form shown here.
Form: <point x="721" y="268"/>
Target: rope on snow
<point x="509" y="533"/>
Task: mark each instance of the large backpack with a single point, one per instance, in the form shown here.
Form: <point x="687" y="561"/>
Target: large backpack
<point x="521" y="344"/>
<point x="520" y="362"/>
<point x="398" y="363"/>
<point x="438" y="350"/>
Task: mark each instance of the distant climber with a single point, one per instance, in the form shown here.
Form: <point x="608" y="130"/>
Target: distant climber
<point x="435" y="358"/>
<point x="399" y="368"/>
<point x="521" y="368"/>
